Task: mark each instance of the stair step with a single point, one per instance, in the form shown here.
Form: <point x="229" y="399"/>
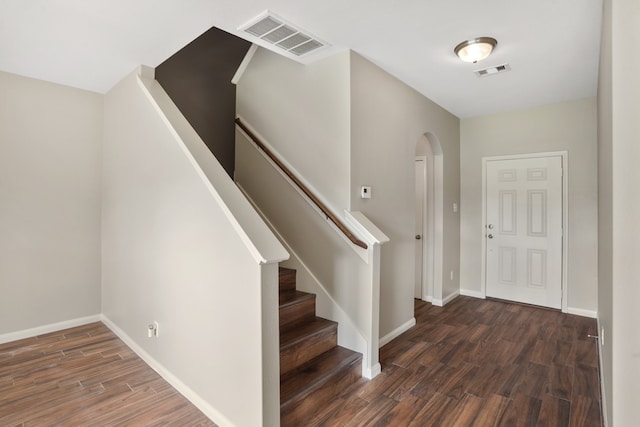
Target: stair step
<point x="287" y="279"/>
<point x="305" y="389"/>
<point x="296" y="307"/>
<point x="306" y="341"/>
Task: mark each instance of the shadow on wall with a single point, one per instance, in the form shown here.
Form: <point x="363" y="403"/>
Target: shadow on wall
<point x="198" y="80"/>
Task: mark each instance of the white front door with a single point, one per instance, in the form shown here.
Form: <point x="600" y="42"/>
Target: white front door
<point x="524" y="230"/>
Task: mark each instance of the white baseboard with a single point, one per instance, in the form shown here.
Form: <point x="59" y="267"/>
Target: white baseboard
<point x="446" y="300"/>
<point x="437" y="302"/>
<point x="45" y="329"/>
<point x="397" y="332"/>
<point x="582" y="312"/>
<point x="371" y="373"/>
<point x="470" y="293"/>
<point x="168" y="376"/>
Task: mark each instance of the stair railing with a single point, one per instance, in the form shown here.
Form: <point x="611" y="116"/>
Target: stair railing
<point x="323" y="208"/>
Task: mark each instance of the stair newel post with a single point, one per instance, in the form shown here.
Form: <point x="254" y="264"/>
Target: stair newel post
<point x="371" y="255"/>
<point x="372" y="367"/>
<point x="270" y="346"/>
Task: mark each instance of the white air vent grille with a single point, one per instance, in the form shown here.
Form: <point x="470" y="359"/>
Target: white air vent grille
<point x="269" y="30"/>
<point x="493" y="70"/>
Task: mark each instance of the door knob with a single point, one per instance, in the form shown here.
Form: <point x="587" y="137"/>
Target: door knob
<point x="490" y="226"/>
<point x="490" y="236"/>
<point x="418" y="237"/>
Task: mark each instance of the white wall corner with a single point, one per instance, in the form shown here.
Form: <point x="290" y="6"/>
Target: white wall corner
<point x="45" y="329"/>
<point x="168" y="376"/>
<point x="146" y="72"/>
<point x="397" y="332"/>
<point x="270" y="345"/>
<point x="244" y="64"/>
<point x="446" y="300"/>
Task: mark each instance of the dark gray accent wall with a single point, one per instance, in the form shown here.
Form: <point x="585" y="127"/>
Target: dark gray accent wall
<point x="198" y="80"/>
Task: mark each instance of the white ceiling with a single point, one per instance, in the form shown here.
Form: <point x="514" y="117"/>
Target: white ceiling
<point x="551" y="45"/>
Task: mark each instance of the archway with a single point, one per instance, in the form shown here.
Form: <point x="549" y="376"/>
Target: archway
<point x="429" y="218"/>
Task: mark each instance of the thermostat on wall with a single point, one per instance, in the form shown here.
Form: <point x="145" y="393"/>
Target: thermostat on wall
<point x="365" y="192"/>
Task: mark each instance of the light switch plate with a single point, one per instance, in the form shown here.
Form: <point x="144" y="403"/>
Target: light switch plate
<point x="365" y="192"/>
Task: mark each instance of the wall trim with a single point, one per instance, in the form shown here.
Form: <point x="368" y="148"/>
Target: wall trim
<point x="474" y="294"/>
<point x="371" y="373"/>
<point x="45" y="329"/>
<point x="213" y="414"/>
<point x="397" y="332"/>
<point x="244" y="64"/>
<point x="603" y="400"/>
<point x="446" y="300"/>
<point x="582" y="312"/>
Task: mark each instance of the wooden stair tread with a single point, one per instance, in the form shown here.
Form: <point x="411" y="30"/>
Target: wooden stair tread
<point x="313" y="368"/>
<point x="305" y="330"/>
<point x="304" y="380"/>
<point x="288" y="298"/>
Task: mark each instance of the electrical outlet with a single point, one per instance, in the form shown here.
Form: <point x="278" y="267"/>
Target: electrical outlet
<point x="451" y="275"/>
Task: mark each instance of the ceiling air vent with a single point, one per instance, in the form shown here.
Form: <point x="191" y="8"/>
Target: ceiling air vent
<point x="273" y="32"/>
<point x="493" y="70"/>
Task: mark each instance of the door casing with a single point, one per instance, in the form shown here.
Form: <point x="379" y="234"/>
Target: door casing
<point x="565" y="229"/>
<point x="427" y="242"/>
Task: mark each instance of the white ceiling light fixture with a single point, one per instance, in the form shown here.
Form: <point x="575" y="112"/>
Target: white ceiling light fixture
<point x="475" y="50"/>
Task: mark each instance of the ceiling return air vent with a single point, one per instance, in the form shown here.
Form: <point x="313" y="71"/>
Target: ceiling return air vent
<point x="273" y="32"/>
<point x="493" y="70"/>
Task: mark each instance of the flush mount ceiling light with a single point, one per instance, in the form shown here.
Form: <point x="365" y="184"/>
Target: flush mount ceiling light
<point x="476" y="49"/>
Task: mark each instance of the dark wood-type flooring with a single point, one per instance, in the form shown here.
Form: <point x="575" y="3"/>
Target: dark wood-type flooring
<point x="86" y="376"/>
<point x="479" y="363"/>
<point x="472" y="363"/>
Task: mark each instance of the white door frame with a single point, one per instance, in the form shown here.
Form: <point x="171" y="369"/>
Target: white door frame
<point x="565" y="211"/>
<point x="431" y="148"/>
<point x="428" y="229"/>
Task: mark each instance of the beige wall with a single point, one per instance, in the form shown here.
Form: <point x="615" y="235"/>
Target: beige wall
<point x="569" y="126"/>
<point x="376" y="123"/>
<point x="171" y="254"/>
<point x="619" y="208"/>
<point x="342" y="287"/>
<point x="388" y="118"/>
<point x="303" y="112"/>
<point x="50" y="137"/>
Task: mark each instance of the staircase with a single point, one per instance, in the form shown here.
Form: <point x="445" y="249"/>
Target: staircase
<point x="313" y="368"/>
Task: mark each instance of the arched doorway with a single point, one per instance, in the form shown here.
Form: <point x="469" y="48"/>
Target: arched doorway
<point x="429" y="221"/>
